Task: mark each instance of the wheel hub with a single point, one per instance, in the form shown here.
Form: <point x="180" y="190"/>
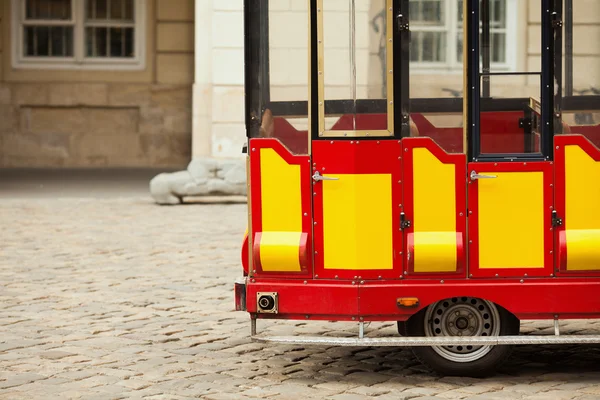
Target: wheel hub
<point x="463" y="316"/>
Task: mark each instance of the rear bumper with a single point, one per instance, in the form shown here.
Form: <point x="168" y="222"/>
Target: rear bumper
<point x="378" y="301"/>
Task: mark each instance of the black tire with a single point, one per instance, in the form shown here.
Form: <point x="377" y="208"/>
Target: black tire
<point x="484" y="366"/>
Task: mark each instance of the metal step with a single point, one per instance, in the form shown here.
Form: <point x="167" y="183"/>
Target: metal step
<point x="429" y="341"/>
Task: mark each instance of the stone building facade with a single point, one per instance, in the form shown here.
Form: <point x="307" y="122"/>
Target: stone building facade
<point x="60" y="111"/>
<point x="172" y="87"/>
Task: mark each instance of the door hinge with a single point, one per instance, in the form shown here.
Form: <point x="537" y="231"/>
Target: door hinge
<point x="402" y="23"/>
<point x="404" y="223"/>
<point x="556" y="21"/>
<point x="556" y="220"/>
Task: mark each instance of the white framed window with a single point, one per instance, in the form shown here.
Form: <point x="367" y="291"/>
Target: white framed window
<point x="437" y="35"/>
<point x="78" y="34"/>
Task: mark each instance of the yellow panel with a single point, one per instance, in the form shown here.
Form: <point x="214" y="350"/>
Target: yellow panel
<point x="280" y="251"/>
<point x="511" y="220"/>
<point x="582" y="215"/>
<point x="357" y="222"/>
<point x="281" y="197"/>
<point x="434" y="200"/>
<point x="583" y="250"/>
<point x="436" y="252"/>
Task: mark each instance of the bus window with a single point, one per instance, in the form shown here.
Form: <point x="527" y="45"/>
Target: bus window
<point x="510" y="70"/>
<point x="581" y="61"/>
<point x="356" y="81"/>
<point x="436" y="71"/>
<point x="282" y="28"/>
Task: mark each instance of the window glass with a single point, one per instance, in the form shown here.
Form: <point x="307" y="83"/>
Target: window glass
<point x="80" y="32"/>
<point x="109" y="28"/>
<point x="581" y="79"/>
<point x="356" y="55"/>
<point x="515" y="128"/>
<point x="436" y="78"/>
<point x="285" y="71"/>
<point x="41" y="39"/>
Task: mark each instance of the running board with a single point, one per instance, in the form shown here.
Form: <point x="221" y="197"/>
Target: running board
<point x="429" y="341"/>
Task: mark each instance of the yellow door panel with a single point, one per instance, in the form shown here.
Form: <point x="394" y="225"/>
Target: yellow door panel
<point x="511" y="220"/>
<point x="357" y="222"/>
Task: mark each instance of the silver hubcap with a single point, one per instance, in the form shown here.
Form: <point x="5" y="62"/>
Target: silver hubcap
<point x="462" y="316"/>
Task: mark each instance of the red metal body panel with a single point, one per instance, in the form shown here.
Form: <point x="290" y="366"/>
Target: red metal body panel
<point x="358" y="157"/>
<point x="548" y="270"/>
<point x="586" y="145"/>
<point x="532" y="299"/>
<point x="255" y="192"/>
<point x="325" y="298"/>
<point x="377" y="301"/>
<point x="460" y="162"/>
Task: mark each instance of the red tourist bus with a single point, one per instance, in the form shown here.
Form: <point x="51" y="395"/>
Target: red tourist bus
<point x="393" y="176"/>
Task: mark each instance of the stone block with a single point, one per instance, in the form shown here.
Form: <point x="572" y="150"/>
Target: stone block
<point x="175" y="68"/>
<point x="9" y="116"/>
<point x="231" y="66"/>
<point x="111" y="120"/>
<point x="228" y="29"/>
<point x="31" y="94"/>
<point x="5" y="94"/>
<point x="586" y="12"/>
<point x="166" y="149"/>
<point x="114" y="149"/>
<point x="582" y="43"/>
<point x="178" y="121"/>
<point x="228" y="139"/>
<point x="228" y="104"/>
<point x="78" y="94"/>
<point x="175" y="10"/>
<point x="171" y="96"/>
<point x="45" y="120"/>
<point x="175" y="36"/>
<point x="128" y="94"/>
<point x="228" y="5"/>
<point x="34" y="150"/>
<point x="152" y="120"/>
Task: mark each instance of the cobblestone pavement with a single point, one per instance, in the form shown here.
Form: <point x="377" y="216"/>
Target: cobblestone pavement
<point x="119" y="298"/>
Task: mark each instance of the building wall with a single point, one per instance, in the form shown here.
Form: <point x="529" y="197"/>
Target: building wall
<point x="228" y="131"/>
<point x="62" y="118"/>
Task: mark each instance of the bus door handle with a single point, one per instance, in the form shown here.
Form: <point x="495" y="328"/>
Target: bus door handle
<point x="317" y="177"/>
<point x="475" y="176"/>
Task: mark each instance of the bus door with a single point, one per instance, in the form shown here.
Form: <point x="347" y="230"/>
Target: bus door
<point x="356" y="170"/>
<point x="510" y="174"/>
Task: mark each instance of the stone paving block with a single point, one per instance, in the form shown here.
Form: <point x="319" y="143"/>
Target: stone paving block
<point x="20" y="379"/>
